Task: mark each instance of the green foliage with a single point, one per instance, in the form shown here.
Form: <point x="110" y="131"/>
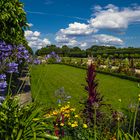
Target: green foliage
<point x="13" y="22"/>
<point x="21" y="123"/>
<point x="104" y="51"/>
<point x="48" y="50"/>
<point x="65" y="50"/>
<point x="51" y="60"/>
<point x="113" y="125"/>
<point x="123" y="76"/>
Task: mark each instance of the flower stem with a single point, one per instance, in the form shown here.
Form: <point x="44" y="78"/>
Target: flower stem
<point x="118" y="130"/>
<point x="95" y="135"/>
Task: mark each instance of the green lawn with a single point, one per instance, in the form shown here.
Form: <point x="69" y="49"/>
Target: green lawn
<point x="46" y="79"/>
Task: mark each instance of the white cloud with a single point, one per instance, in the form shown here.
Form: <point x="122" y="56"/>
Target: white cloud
<point x="62" y="38"/>
<point x="34" y="40"/>
<point x="68" y="36"/>
<point x="72" y="43"/>
<point x="97" y="8"/>
<point x="84" y="44"/>
<point x="103" y="39"/>
<point x="28" y="33"/>
<point x="111" y="17"/>
<point x="111" y="7"/>
<point x="46" y="41"/>
<point x="77" y="29"/>
<point x="36" y="33"/>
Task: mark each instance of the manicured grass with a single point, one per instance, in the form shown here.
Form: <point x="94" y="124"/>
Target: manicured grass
<point x="46" y="79"/>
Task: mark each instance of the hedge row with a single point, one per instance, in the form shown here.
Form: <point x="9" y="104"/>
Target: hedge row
<point x="123" y="76"/>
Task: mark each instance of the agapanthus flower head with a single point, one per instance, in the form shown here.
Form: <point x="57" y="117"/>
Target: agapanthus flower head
<point x="3" y="85"/>
<point x="12" y="67"/>
<point x="22" y="53"/>
<point x="5" y="48"/>
<point x="48" y="56"/>
<point x="37" y="61"/>
<point x="26" y="56"/>
<point x="2" y="76"/>
<point x="54" y="56"/>
<point x="25" y="51"/>
<point x="53" y="53"/>
<point x="21" y="47"/>
<point x="10" y="47"/>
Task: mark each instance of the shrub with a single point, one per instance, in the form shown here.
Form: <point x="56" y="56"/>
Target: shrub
<point x="24" y="122"/>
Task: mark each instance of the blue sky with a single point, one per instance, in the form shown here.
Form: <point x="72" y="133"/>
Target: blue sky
<point x="83" y="22"/>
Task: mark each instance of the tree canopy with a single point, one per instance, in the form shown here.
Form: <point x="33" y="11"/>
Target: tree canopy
<point x="104" y="51"/>
<point x="13" y="22"/>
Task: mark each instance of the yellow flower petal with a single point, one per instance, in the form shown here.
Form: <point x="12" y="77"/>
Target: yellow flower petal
<point x="85" y="125"/>
<point x="55" y="112"/>
<point x="73" y="125"/>
<point x="76" y="116"/>
<point x="61" y="124"/>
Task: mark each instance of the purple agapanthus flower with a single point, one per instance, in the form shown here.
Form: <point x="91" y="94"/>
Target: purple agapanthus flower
<point x="22" y="53"/>
<point x="2" y="76"/>
<point x="53" y="53"/>
<point x="21" y="47"/>
<point x="12" y="67"/>
<point x="26" y="56"/>
<point x="37" y="61"/>
<point x="5" y="48"/>
<point x="25" y="52"/>
<point x="3" y="85"/>
<point x="48" y="56"/>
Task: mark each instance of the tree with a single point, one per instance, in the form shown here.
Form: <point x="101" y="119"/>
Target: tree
<point x="65" y="50"/>
<point x="76" y="49"/>
<point x="13" y="22"/>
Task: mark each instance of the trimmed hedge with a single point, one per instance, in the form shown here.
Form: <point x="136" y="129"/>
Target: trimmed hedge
<point x="123" y="76"/>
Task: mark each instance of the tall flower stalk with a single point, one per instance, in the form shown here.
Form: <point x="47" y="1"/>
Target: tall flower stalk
<point x="94" y="100"/>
